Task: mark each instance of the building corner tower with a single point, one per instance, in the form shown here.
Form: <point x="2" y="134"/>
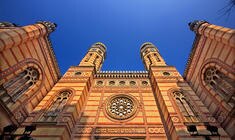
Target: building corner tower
<point x="60" y="109"/>
<point x="180" y="108"/>
<point x="28" y="69"/>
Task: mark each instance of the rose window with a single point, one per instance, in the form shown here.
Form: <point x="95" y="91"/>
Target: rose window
<point x="121" y="107"/>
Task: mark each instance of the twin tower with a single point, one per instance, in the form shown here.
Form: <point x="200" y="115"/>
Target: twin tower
<point x="97" y="53"/>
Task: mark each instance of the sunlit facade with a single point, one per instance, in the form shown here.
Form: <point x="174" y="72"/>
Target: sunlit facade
<point x="87" y="103"/>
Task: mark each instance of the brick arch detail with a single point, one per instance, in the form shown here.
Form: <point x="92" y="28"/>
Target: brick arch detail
<point x="175" y="106"/>
<point x="20" y="67"/>
<point x="52" y="99"/>
<point x="222" y="67"/>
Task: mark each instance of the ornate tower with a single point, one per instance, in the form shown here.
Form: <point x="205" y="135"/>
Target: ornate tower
<point x="151" y="56"/>
<point x="86" y="103"/>
<point x="179" y="106"/>
<point x="62" y="107"/>
<point x="95" y="56"/>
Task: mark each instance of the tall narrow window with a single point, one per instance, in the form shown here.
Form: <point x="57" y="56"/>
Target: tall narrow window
<point x="221" y="84"/>
<point x="88" y="57"/>
<point x="185" y="107"/>
<point x="96" y="58"/>
<point x="150" y="60"/>
<point x="21" y="83"/>
<point x="58" y="105"/>
<point x="156" y="57"/>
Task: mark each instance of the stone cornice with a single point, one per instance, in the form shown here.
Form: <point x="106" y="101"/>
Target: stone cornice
<point x="206" y="30"/>
<point x="51" y="50"/>
<point x="192" y="52"/>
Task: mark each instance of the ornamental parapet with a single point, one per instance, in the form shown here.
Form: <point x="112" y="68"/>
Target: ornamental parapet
<point x="122" y="74"/>
<point x="49" y="25"/>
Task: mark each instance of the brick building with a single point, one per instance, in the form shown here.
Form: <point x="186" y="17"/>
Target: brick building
<point x="86" y="103"/>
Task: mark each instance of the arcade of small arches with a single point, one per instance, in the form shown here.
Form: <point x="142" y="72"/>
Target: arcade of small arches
<point x="121" y="83"/>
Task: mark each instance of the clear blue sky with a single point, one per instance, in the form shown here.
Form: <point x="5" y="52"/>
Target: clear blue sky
<point x="122" y="25"/>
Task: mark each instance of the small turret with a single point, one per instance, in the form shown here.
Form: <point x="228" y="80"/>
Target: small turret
<point x="95" y="56"/>
<point x="151" y="56"/>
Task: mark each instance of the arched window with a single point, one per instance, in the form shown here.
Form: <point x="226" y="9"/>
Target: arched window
<point x="88" y="57"/>
<point x="21" y="83"/>
<point x="150" y="61"/>
<point x="185" y="107"/>
<point x="157" y="58"/>
<point x="58" y="104"/>
<point x="221" y="84"/>
<point x="96" y="58"/>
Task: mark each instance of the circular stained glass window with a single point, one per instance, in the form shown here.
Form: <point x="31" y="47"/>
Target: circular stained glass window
<point x="121" y="106"/>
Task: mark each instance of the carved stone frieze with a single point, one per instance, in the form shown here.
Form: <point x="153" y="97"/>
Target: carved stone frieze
<point x="110" y="130"/>
<point x="156" y="130"/>
<point x="175" y="119"/>
<point x="83" y="130"/>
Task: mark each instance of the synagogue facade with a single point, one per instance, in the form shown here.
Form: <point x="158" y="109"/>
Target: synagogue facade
<point x="87" y="103"/>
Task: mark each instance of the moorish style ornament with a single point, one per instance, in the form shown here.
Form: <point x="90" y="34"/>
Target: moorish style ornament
<point x="194" y="26"/>
<point x="121" y="106"/>
<point x="49" y="25"/>
<point x="7" y="24"/>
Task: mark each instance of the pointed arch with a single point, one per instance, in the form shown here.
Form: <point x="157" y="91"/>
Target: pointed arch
<point x="220" y="83"/>
<point x="26" y="75"/>
<point x="58" y="103"/>
<point x="184" y="105"/>
<point x="217" y="79"/>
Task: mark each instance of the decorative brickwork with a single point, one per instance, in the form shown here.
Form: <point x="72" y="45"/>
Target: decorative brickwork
<point x="86" y="103"/>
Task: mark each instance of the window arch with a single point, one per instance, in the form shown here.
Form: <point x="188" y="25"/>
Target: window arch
<point x="187" y="110"/>
<point x="58" y="104"/>
<point x="221" y="84"/>
<point x="19" y="84"/>
<point x="156" y="57"/>
<point x="96" y="59"/>
<point x="150" y="61"/>
<point x="88" y="57"/>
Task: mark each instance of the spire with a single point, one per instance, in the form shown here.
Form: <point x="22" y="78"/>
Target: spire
<point x="150" y="55"/>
